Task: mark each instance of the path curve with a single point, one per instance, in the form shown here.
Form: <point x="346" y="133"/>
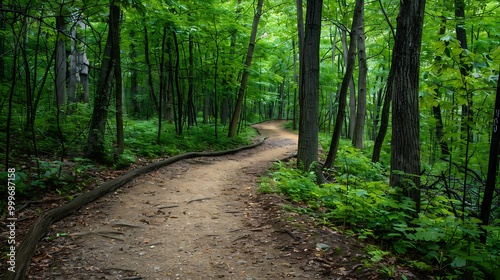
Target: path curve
<point x="195" y="219"/>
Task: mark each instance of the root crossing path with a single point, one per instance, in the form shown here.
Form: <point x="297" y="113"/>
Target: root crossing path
<point x="195" y="219"/>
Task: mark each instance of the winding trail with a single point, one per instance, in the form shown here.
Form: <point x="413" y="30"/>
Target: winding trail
<point x="195" y="219"/>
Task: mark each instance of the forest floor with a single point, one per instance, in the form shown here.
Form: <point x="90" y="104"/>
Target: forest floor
<point x="202" y="219"/>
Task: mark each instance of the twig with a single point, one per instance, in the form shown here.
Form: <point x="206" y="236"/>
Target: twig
<point x="199" y="199"/>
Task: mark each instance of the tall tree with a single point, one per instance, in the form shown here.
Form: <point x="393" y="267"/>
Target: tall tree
<point x="309" y="96"/>
<point x="60" y="55"/>
<point x="351" y="56"/>
<point x="359" y="127"/>
<point x="403" y="82"/>
<point x="95" y="148"/>
<point x="117" y="69"/>
<point x="246" y="72"/>
<point x="489" y="190"/>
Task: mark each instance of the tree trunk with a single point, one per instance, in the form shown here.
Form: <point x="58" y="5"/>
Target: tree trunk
<point x="60" y="66"/>
<point x="359" y="128"/>
<point x="352" y="90"/>
<point x="244" y="78"/>
<point x="150" y="70"/>
<point x="134" y="85"/>
<point x="489" y="190"/>
<point x="300" y="43"/>
<point x="163" y="85"/>
<point x="95" y="148"/>
<point x="337" y="130"/>
<point x="177" y="87"/>
<point x="404" y="84"/>
<point x="307" y="152"/>
<point x="191" y="110"/>
<point x="120" y="139"/>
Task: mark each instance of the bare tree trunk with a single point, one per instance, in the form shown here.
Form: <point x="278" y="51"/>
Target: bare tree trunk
<point x="332" y="153"/>
<point x="307" y="152"/>
<point x="120" y="138"/>
<point x="191" y="110"/>
<point x="134" y="85"/>
<point x="404" y="84"/>
<point x="177" y="87"/>
<point x="244" y="78"/>
<point x="359" y="128"/>
<point x="60" y="66"/>
<point x="95" y="148"/>
<point x="352" y="90"/>
<point x="489" y="190"/>
<point x="150" y="70"/>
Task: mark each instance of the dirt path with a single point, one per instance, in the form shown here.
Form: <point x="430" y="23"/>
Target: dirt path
<point x="198" y="219"/>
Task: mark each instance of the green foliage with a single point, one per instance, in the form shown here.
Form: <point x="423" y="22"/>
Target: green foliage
<point x="362" y="202"/>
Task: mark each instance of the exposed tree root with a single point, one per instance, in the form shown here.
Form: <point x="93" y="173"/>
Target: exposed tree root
<point x="41" y="226"/>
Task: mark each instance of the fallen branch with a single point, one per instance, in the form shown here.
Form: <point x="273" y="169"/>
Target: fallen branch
<point x="199" y="199"/>
<point x="41" y="226"/>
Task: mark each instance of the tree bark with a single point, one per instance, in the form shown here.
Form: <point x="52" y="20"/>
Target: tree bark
<point x="120" y="138"/>
<point x="307" y="152"/>
<point x="404" y="84"/>
<point x="359" y="127"/>
<point x="244" y="78"/>
<point x="95" y="148"/>
<point x="337" y="130"/>
<point x="150" y="70"/>
<point x="493" y="163"/>
<point x="60" y="65"/>
<point x="191" y="110"/>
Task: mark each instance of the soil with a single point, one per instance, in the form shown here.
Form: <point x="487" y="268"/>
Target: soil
<point x="202" y="219"/>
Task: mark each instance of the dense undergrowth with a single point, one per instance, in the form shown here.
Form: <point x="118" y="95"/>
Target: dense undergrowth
<point x="440" y="240"/>
<point x="57" y="164"/>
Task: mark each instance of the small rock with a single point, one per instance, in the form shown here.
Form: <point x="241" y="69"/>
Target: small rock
<point x="322" y="247"/>
<point x="241" y="262"/>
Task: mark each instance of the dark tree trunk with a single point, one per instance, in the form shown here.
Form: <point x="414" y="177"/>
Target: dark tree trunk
<point x="191" y="110"/>
<point x="403" y="84"/>
<point x="177" y="86"/>
<point x="134" y="85"/>
<point x="351" y="56"/>
<point x="150" y="70"/>
<point x="60" y="66"/>
<point x="120" y="138"/>
<point x="307" y="152"/>
<point x="95" y="148"/>
<point x="244" y="78"/>
<point x="489" y="190"/>
<point x="359" y="127"/>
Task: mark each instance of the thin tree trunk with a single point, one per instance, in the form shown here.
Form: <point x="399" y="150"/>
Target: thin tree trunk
<point x="177" y="86"/>
<point x="60" y="66"/>
<point x="244" y="79"/>
<point x="359" y="128"/>
<point x="95" y="148"/>
<point x="191" y="111"/>
<point x="150" y="70"/>
<point x="134" y="85"/>
<point x="163" y="84"/>
<point x="120" y="138"/>
<point x="352" y="90"/>
<point x="337" y="130"/>
<point x="384" y="122"/>
<point x="489" y="190"/>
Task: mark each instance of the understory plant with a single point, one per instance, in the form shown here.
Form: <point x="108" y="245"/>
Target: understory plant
<point x="359" y="200"/>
